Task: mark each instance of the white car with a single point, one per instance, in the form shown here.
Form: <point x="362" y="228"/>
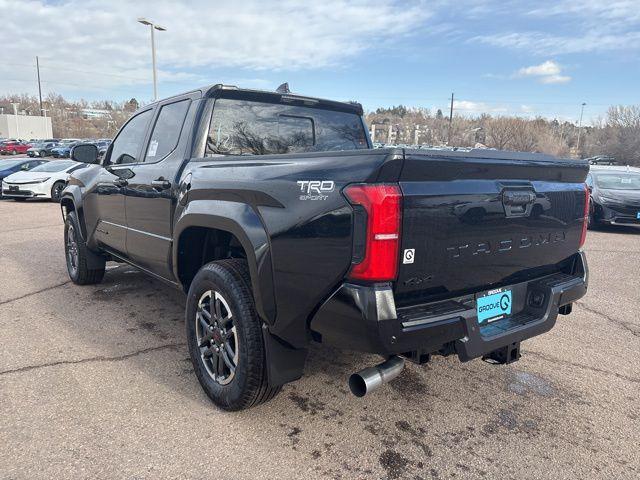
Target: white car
<point x="44" y="181"/>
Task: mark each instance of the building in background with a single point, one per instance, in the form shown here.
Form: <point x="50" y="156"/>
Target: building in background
<point x="25" y="127"/>
<point x="95" y="113"/>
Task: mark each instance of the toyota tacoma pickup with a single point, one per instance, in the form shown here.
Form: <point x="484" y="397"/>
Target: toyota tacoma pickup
<point x="284" y="226"/>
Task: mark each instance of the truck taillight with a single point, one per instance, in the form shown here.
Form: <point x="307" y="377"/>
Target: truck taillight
<point x="382" y="205"/>
<point x="585" y="217"/>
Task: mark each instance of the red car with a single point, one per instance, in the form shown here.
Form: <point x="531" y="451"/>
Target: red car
<point x="13" y="148"/>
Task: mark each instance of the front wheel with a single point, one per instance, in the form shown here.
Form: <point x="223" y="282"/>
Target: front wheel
<point x="84" y="266"/>
<point x="224" y="335"/>
<point x="14" y="152"/>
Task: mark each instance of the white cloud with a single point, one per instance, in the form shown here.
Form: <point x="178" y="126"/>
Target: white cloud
<point x="98" y="44"/>
<point x="617" y="12"/>
<point x="548" y="72"/>
<point x="547" y="68"/>
<point x="541" y="43"/>
<point x="565" y="27"/>
<point x="470" y="107"/>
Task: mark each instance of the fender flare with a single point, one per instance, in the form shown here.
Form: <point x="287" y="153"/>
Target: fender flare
<point x="242" y="221"/>
<point x="73" y="193"/>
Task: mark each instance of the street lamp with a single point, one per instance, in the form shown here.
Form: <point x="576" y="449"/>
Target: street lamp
<point x="152" y="27"/>
<point x="43" y="112"/>
<point x="580" y="128"/>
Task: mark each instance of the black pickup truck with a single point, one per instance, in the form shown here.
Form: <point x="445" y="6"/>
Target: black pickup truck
<point x="284" y="226"/>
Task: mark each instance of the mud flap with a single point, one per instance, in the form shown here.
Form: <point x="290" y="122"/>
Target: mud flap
<point x="284" y="363"/>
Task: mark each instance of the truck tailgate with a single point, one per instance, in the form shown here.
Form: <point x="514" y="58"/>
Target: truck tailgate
<point x="476" y="220"/>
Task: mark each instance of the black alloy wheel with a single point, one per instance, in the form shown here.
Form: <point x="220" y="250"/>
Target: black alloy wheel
<point x="217" y="337"/>
<point x="72" y="250"/>
<point x="225" y="336"/>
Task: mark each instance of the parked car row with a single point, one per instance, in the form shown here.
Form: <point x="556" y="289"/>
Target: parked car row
<point x="615" y="195"/>
<point x="13" y="147"/>
<point x="55" y="147"/>
<point x="25" y="178"/>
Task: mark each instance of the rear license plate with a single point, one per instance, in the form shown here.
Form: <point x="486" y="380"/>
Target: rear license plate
<point x="13" y="188"/>
<point x="493" y="305"/>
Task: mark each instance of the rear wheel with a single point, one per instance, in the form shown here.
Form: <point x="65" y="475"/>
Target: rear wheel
<point x="84" y="266"/>
<point x="224" y="335"/>
<point x="43" y="153"/>
<point x="56" y="191"/>
<point x="14" y="152"/>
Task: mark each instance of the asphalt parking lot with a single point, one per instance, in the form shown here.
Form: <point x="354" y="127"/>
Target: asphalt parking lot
<point x="95" y="382"/>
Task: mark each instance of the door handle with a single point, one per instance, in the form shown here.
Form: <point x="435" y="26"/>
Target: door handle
<point x="161" y="184"/>
<point x="120" y="182"/>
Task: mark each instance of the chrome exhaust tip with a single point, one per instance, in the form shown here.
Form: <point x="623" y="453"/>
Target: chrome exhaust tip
<point x="370" y="379"/>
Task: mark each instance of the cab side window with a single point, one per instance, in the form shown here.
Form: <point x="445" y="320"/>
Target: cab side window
<point x="128" y="143"/>
<point x="166" y="131"/>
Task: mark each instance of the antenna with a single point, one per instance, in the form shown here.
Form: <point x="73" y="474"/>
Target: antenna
<point x="284" y="88"/>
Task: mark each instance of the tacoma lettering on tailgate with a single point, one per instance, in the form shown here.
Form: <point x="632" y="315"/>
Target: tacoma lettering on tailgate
<point x="508" y="244"/>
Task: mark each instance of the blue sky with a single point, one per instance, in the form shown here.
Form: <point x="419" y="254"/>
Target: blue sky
<point x="499" y="57"/>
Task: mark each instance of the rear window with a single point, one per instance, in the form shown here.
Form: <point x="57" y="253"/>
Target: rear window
<point x="241" y="127"/>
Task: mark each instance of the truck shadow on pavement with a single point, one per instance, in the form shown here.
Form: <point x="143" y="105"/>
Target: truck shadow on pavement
<point x="410" y="428"/>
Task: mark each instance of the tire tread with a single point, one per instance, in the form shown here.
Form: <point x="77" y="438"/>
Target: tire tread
<point x="257" y="389"/>
<point x="86" y="275"/>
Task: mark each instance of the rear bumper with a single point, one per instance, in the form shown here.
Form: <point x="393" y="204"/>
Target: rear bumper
<point x="365" y="318"/>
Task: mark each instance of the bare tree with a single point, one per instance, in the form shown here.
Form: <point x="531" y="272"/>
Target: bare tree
<point x="500" y="132"/>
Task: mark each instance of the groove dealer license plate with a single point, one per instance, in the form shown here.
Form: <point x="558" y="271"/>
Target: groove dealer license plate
<point x="493" y="305"/>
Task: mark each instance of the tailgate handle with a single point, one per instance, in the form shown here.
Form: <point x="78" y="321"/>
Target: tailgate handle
<point x="518" y="203"/>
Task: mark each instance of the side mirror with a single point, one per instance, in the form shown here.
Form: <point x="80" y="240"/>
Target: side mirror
<point x="85" y="153"/>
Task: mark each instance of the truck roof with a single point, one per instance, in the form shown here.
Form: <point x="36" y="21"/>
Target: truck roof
<point x="486" y="153"/>
<point x="220" y="90"/>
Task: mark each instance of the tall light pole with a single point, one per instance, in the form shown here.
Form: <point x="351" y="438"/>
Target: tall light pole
<point x="580" y="128"/>
<point x="46" y="129"/>
<point x="450" y="121"/>
<point x="152" y="27"/>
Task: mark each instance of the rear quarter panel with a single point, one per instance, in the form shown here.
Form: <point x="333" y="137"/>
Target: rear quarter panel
<point x="309" y="235"/>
